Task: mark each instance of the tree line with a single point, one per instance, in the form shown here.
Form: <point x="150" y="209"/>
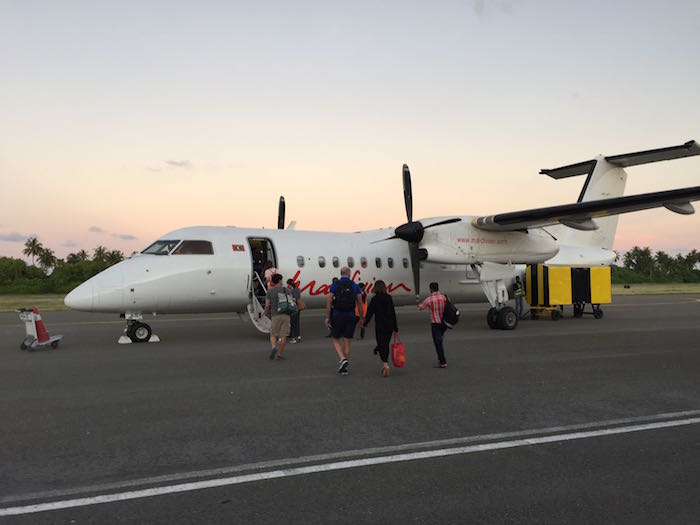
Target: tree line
<point x="641" y="265"/>
<point x="49" y="274"/>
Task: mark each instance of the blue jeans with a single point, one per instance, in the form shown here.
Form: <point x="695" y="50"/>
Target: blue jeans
<point x="519" y="306"/>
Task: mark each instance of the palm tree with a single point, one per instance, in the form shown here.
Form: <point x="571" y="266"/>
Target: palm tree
<point x="47" y="259"/>
<point x="114" y="256"/>
<point x="32" y="248"/>
<point x="100" y="254"/>
<point x="82" y="255"/>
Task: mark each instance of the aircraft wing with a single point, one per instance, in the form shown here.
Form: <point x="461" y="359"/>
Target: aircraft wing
<point x="581" y="215"/>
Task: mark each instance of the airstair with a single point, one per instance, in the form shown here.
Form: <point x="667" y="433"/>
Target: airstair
<point x="256" y="308"/>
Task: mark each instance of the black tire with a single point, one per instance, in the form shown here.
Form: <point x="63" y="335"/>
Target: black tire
<point x="54" y="344"/>
<point x="507" y="318"/>
<point x="597" y="312"/>
<point x="578" y="310"/>
<point x="139" y="332"/>
<point x="492" y="318"/>
<point x="556" y="315"/>
<point x="26" y="343"/>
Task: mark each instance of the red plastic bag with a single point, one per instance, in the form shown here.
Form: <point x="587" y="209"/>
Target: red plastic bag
<point x="398" y="352"/>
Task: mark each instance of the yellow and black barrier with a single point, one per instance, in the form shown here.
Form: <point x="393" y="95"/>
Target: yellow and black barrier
<point x="556" y="286"/>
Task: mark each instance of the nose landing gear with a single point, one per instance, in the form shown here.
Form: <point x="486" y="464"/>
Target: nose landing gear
<point x="137" y="331"/>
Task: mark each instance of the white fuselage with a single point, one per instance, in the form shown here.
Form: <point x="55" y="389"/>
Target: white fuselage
<point x="221" y="281"/>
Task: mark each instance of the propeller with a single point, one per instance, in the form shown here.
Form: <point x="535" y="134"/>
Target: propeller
<point x="280" y="214"/>
<point x="412" y="231"/>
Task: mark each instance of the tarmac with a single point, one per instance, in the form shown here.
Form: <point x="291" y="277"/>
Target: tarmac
<point x="573" y="421"/>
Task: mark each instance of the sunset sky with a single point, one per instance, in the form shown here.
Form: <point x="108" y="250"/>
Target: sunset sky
<point x="120" y="121"/>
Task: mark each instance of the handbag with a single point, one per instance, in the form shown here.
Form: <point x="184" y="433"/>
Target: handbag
<point x="398" y="352"/>
<point x="301" y="305"/>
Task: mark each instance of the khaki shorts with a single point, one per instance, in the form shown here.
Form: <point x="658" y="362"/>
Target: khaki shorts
<point x="279" y="327"/>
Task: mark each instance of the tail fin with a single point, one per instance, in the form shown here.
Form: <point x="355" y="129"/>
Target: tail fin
<point x="606" y="179"/>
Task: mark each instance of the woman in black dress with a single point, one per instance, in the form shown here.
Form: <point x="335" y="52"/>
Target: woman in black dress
<point x="382" y="307"/>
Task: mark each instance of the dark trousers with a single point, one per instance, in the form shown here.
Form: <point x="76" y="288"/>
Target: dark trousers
<point x="383" y="341"/>
<point x="294" y="323"/>
<point x="438" y="333"/>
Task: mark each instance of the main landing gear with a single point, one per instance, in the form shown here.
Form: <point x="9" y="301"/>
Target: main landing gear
<point x="505" y="318"/>
<point x="137" y="331"/>
<point x="493" y="278"/>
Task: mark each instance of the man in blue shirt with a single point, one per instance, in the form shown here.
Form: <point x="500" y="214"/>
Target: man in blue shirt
<point x="340" y="315"/>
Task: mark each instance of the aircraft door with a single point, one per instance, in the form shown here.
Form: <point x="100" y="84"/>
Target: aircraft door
<point x="262" y="252"/>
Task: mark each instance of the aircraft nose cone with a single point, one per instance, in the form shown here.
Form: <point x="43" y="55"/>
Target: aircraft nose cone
<point x="81" y="298"/>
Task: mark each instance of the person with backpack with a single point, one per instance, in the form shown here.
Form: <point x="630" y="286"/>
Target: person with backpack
<point x="340" y="315"/>
<point x="436" y="303"/>
<point x="280" y="303"/>
<point x="381" y="306"/>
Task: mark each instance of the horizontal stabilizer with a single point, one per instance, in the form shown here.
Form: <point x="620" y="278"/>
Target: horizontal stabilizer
<point x="688" y="149"/>
<point x="580" y="215"/>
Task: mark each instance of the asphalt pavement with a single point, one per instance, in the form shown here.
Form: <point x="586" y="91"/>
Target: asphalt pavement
<point x="570" y="421"/>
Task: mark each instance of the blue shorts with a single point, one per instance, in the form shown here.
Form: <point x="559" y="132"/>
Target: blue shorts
<point x="343" y="326"/>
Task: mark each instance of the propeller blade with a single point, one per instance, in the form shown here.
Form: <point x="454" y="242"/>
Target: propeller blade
<point x="280" y="214"/>
<point x="446" y="221"/>
<point x="407" y="193"/>
<point x="414" y="254"/>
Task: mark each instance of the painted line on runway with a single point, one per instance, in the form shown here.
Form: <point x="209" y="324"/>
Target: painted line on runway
<point x="341" y="465"/>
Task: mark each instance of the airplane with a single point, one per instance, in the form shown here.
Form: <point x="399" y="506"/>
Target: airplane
<point x="206" y="269"/>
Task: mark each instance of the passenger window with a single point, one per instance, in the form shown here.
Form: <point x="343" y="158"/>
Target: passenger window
<point x="336" y="262"/>
<point x="405" y="262"/>
<point x="194" y="248"/>
<point x="378" y="262"/>
<point x="322" y="262"/>
<point x="351" y="262"/>
<point x="390" y="262"/>
<point x="300" y="261"/>
<point x="363" y="262"/>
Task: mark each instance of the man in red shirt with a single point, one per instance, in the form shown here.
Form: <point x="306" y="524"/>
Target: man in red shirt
<point x="436" y="303"/>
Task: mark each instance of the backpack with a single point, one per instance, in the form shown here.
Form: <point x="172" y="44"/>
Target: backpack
<point x="450" y="315"/>
<point x="286" y="303"/>
<point x="344" y="300"/>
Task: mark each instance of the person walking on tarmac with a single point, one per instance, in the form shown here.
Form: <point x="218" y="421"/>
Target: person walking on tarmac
<point x="280" y="322"/>
<point x="436" y="303"/>
<point x="340" y="316"/>
<point x="519" y="293"/>
<point x="382" y="307"/>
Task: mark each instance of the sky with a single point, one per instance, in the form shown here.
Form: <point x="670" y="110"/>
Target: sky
<point x="121" y="121"/>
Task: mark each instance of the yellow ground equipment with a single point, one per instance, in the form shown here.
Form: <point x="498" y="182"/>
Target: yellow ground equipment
<point x="550" y="288"/>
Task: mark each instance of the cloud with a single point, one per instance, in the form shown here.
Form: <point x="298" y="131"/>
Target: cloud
<point x="185" y="164"/>
<point x="124" y="236"/>
<point x="69" y="244"/>
<point x="95" y="229"/>
<point x="483" y="7"/>
<point x="14" y="237"/>
<point x="153" y="169"/>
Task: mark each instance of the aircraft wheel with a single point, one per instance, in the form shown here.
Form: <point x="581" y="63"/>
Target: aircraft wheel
<point x="597" y="312"/>
<point x="139" y="332"/>
<point x="492" y="318"/>
<point x="507" y="318"/>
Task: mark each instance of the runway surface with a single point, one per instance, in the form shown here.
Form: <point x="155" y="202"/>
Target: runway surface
<point x="576" y="421"/>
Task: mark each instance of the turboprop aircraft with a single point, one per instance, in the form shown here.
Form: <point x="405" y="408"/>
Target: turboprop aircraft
<point x="213" y="269"/>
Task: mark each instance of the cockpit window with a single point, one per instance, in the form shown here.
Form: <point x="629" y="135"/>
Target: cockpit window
<point x="194" y="248"/>
<point x="161" y="247"/>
